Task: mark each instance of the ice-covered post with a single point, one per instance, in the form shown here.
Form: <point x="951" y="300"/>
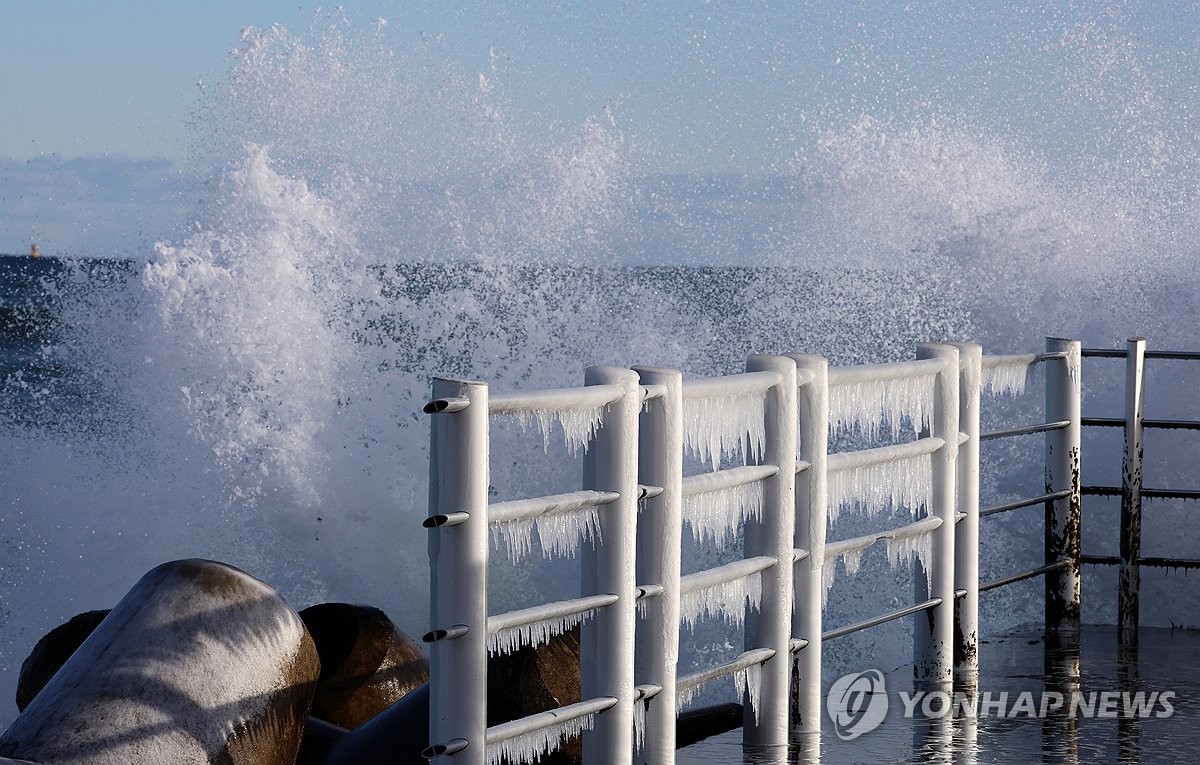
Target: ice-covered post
<point x="934" y="634"/>
<point x="812" y="405"/>
<point x="606" y="642"/>
<point x="1062" y="474"/>
<point x="1131" y="492"/>
<point x="458" y="556"/>
<point x="966" y="539"/>
<point x="660" y="463"/>
<point x="771" y="627"/>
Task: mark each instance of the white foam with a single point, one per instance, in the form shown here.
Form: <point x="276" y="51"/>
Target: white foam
<point x="578" y="425"/>
<point x="904" y="482"/>
<point x="715" y="515"/>
<point x="868" y="404"/>
<point x="723" y="427"/>
<point x="559" y="533"/>
<point x="531" y="746"/>
<point x="510" y="639"/>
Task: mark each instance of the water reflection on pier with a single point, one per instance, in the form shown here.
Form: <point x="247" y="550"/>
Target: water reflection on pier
<point x="1083" y="667"/>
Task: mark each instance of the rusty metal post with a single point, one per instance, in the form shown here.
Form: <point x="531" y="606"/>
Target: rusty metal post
<point x="1131" y="493"/>
<point x="966" y="540"/>
<point x="1063" y="399"/>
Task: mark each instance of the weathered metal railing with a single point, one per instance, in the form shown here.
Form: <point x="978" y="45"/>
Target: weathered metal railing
<point x="780" y="411"/>
<point x="1131" y="491"/>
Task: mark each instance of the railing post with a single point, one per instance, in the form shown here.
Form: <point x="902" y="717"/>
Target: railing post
<point x="458" y="557"/>
<point x="606" y="642"/>
<point x="1131" y="493"/>
<point x="934" y="635"/>
<point x="771" y="627"/>
<point x="660" y="463"/>
<point x="966" y="540"/>
<point x="1063" y="397"/>
<point x="812" y="404"/>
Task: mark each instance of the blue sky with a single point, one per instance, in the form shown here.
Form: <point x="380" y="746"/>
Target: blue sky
<point x="697" y="87"/>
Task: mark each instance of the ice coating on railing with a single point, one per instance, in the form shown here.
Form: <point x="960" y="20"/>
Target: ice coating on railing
<point x="903" y="482"/>
<point x="748" y="682"/>
<point x="721" y="427"/>
<point x="1006" y="375"/>
<point x="559" y="533"/>
<point x="510" y="639"/>
<point x="716" y="515"/>
<point x="579" y="424"/>
<point x="530" y="747"/>
<point x="870" y="403"/>
<point x="725" y="599"/>
<point x="918" y="542"/>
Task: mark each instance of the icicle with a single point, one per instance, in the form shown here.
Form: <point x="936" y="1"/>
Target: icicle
<point x="748" y="682"/>
<point x="715" y="515"/>
<point x="904" y="482"/>
<point x="867" y="404"/>
<point x="1007" y="375"/>
<point x="529" y="747"/>
<point x="726" y="599"/>
<point x="851" y="561"/>
<point x="559" y="533"/>
<point x="684" y="696"/>
<point x="722" y="427"/>
<point x="640" y="707"/>
<point x="510" y="639"/>
<point x="579" y="426"/>
<point x="901" y="548"/>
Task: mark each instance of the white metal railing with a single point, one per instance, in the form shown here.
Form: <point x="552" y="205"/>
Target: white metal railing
<point x="776" y="416"/>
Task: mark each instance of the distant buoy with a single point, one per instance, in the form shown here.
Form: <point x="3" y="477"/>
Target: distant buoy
<point x="198" y="663"/>
<point x="33" y="251"/>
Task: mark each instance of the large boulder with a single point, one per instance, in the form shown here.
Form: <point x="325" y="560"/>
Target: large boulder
<point x="367" y="663"/>
<point x="198" y="663"/>
<point x="51" y="652"/>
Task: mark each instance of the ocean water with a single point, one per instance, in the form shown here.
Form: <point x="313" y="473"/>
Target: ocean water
<point x="249" y="388"/>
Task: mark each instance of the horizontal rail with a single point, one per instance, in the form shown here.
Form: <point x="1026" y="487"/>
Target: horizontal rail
<point x="1153" y="562"/>
<point x="1024" y="503"/>
<point x="1119" y="422"/>
<point x="746" y="659"/>
<point x="557" y="400"/>
<point x="900" y="370"/>
<point x="729" y="572"/>
<point x="1009" y="360"/>
<point x="729" y="385"/>
<point x="798" y="644"/>
<point x="1115" y="491"/>
<point x="542" y="720"/>
<point x="1026" y="430"/>
<point x="855" y="544"/>
<point x="650" y="392"/>
<point x="703" y="483"/>
<point x="555" y="610"/>
<point x="554" y="504"/>
<point x="1107" y="353"/>
<point x="799" y="555"/>
<point x="881" y="619"/>
<point x="985" y="586"/>
<point x="881" y="455"/>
